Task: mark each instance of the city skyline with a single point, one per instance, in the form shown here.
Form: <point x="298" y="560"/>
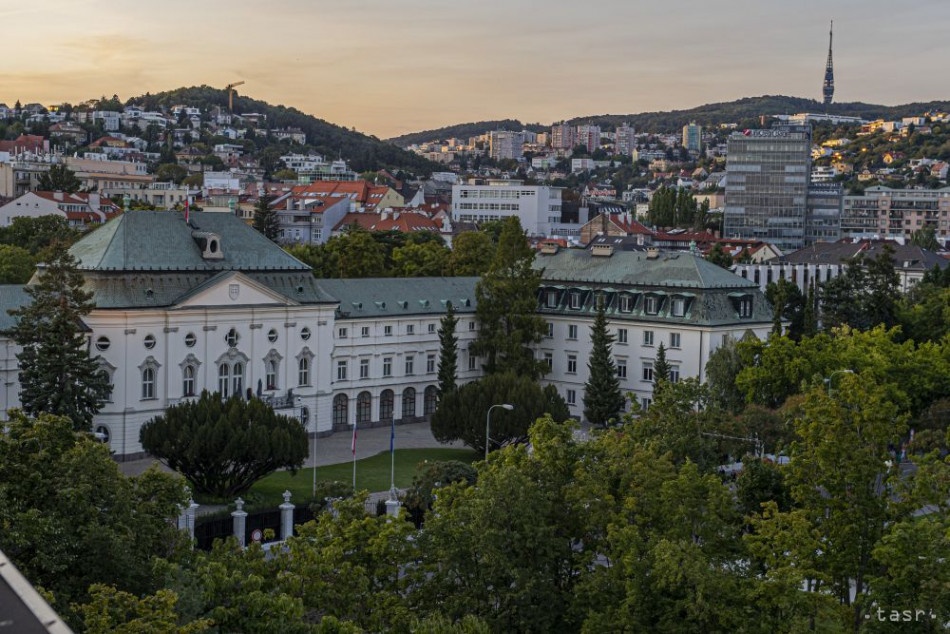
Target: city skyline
<point x="391" y="68"/>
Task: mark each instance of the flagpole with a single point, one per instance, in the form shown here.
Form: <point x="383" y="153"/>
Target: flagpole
<point x="392" y="458"/>
<point x="353" y="447"/>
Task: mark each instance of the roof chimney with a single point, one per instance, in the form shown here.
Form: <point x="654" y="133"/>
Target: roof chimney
<point x="653" y="253"/>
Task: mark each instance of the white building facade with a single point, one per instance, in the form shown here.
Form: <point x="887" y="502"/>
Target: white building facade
<point x="538" y="207"/>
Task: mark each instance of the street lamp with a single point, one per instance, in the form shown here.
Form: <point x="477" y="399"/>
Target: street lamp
<point x="832" y="375"/>
<point x="506" y="406"/>
<point x="313" y="451"/>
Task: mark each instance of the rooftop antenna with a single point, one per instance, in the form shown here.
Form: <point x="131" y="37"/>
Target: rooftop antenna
<point x="828" y="88"/>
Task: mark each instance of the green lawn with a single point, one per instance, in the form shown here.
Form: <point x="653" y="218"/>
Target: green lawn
<point x="372" y="474"/>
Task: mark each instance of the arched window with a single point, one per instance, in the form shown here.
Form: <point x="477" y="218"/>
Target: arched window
<point x="364" y="408"/>
<point x="148" y="382"/>
<point x="430" y="400"/>
<point x="224" y="380"/>
<point x="386" y="399"/>
<point x="188" y="381"/>
<point x="340" y="409"/>
<point x="270" y="374"/>
<point x="409" y="402"/>
<point x="237" y="378"/>
<point x="303" y="371"/>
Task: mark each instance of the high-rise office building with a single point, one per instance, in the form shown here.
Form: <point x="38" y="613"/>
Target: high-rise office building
<point x="767" y="185"/>
<point x="693" y="137"/>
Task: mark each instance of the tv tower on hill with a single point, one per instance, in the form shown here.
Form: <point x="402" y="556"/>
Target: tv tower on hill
<point x="828" y="88"/>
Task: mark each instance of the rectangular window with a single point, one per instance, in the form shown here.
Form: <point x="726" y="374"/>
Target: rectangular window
<point x="645" y="403"/>
<point x="647" y="371"/>
<point x="431" y="328"/>
<point x="674" y="374"/>
<point x="648" y="337"/>
<point x="745" y="307"/>
<point x="622" y="335"/>
<point x="549" y="360"/>
<point x="678" y="307"/>
<point x="364" y="331"/>
<point x="341" y="370"/>
<point x="388" y="331"/>
<point x="551" y="299"/>
<point x="572" y="332"/>
<point x="364" y="368"/>
<point x="651" y="305"/>
<point x="621" y="368"/>
<point x="471" y="325"/>
<point x="387" y="366"/>
<point x="674" y="340"/>
<point x="575" y="300"/>
<point x="341" y="333"/>
<point x="572" y="364"/>
<point x="410" y="329"/>
<point x="410" y="365"/>
<point x="472" y="362"/>
<point x="430" y="364"/>
<point x="626" y="303"/>
<point x="571" y="397"/>
<point x="550" y="329"/>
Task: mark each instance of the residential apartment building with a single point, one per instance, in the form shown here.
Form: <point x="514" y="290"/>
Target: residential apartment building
<point x="767" y="187"/>
<point x="213" y="305"/>
<point x="504" y="144"/>
<point x="693" y="138"/>
<point x="562" y="136"/>
<point x="882" y="212"/>
<point x="538" y="207"/>
<point x="81" y="210"/>
<point x="588" y="136"/>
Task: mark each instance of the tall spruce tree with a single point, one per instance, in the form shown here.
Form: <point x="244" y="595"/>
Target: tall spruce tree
<point x="448" y="352"/>
<point x="507" y="307"/>
<point x="57" y="375"/>
<point x="661" y="367"/>
<point x="265" y="218"/>
<point x="603" y="400"/>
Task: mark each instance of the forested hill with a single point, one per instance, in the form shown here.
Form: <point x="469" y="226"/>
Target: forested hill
<point x="361" y="151"/>
<point x="741" y="110"/>
<point x="464" y="131"/>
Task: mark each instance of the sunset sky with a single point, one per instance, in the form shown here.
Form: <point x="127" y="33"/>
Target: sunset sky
<point x="397" y="66"/>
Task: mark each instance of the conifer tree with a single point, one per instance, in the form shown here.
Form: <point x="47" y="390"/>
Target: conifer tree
<point x="265" y="218"/>
<point x="507" y="307"/>
<point x="57" y="375"/>
<point x="661" y="367"/>
<point x="603" y="400"/>
<point x="448" y="352"/>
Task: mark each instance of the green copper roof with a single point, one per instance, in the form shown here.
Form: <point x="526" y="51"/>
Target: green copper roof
<point x="671" y="270"/>
<point x="393" y="297"/>
<point x="161" y="241"/>
<point x="11" y="296"/>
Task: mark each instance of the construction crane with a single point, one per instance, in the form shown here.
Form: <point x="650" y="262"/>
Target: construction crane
<point x="230" y="88"/>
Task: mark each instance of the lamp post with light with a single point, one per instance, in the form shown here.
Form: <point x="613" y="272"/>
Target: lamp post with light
<point x="506" y="406"/>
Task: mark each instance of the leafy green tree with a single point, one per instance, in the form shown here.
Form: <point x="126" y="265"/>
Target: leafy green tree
<point x="16" y="265"/>
<point x="722" y="368"/>
<point x="71" y="519"/>
<point x="603" y="400"/>
<point x="224" y="447"/>
<point x="171" y="172"/>
<point x="36" y="235"/>
<point x="420" y="260"/>
<point x="285" y="175"/>
<point x="57" y="375"/>
<point x="114" y="611"/>
<point x="59" y="178"/>
<point x="356" y="254"/>
<point x="718" y="256"/>
<point x="864" y="296"/>
<point x="471" y="254"/>
<point x="507" y="307"/>
<point x="448" y="351"/>
<point x="461" y="415"/>
<point x="265" y="218"/>
<point x="676" y="422"/>
<point x="431" y="476"/>
<point x="788" y="304"/>
<point x="761" y="482"/>
<point x="925" y="238"/>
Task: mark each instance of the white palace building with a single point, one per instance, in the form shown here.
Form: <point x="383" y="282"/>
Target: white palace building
<point x="212" y="304"/>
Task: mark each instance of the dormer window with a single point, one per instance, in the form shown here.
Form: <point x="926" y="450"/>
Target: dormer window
<point x="575" y="299"/>
<point x="678" y="307"/>
<point x="626" y="303"/>
<point x="209" y="243"/>
<point x="745" y="307"/>
<point x="551" y="299"/>
<point x="651" y="305"/>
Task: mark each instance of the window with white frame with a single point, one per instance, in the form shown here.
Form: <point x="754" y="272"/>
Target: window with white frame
<point x="271" y="370"/>
<point x="386" y="400"/>
<point x="651" y="305"/>
<point x="410" y="329"/>
<point x="626" y="303"/>
<point x="410" y="365"/>
<point x="149" y="373"/>
<point x="303" y="371"/>
<point x="648" y="337"/>
<point x="572" y="364"/>
<point x="647" y="374"/>
<point x="387" y="366"/>
<point x="674" y="340"/>
<point x="549" y="360"/>
<point x="232" y="337"/>
<point x="430" y="364"/>
<point x="340" y="409"/>
<point x="188" y="380"/>
<point x="237" y="378"/>
<point x="224" y="379"/>
<point x="408" y="402"/>
<point x="571" y="397"/>
<point x="387" y="331"/>
<point x="472" y="362"/>
<point x="364" y="331"/>
<point x="575" y="298"/>
<point x="341" y="367"/>
<point x="621" y="335"/>
<point x="431" y="329"/>
<point x="471" y="325"/>
<point x="745" y="307"/>
<point x="364" y="368"/>
<point x="645" y="403"/>
<point x="550" y="329"/>
<point x="572" y="331"/>
<point x="342" y="332"/>
<point x="678" y="307"/>
<point x="551" y="299"/>
<point x="674" y="374"/>
<point x="621" y="368"/>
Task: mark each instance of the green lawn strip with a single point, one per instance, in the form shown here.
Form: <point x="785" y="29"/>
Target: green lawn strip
<point x="372" y="474"/>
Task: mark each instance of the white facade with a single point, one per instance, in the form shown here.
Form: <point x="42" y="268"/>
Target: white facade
<point x="538" y="207"/>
